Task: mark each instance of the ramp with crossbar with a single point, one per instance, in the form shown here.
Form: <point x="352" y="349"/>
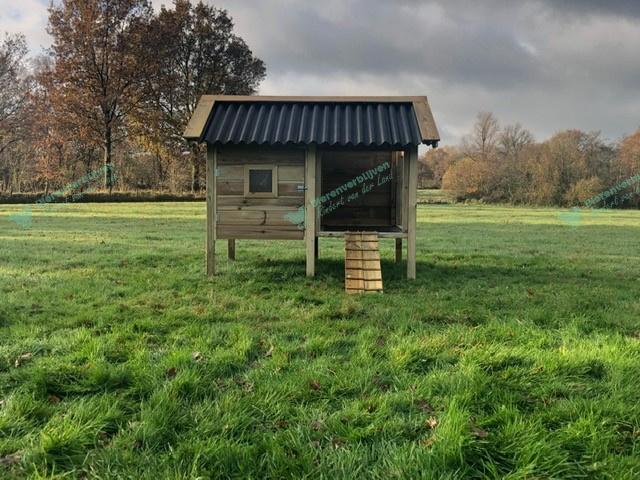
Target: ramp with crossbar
<point x="362" y="262"/>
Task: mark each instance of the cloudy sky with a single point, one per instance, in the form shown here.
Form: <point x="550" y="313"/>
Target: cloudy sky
<point x="548" y="64"/>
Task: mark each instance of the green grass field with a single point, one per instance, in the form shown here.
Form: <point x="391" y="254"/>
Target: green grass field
<point x="515" y="354"/>
<point x="434" y="196"/>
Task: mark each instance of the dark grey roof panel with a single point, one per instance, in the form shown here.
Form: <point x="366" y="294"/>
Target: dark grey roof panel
<point x="322" y="123"/>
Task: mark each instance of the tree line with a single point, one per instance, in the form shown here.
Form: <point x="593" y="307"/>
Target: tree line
<point x="506" y="165"/>
<point x="114" y="93"/>
<point x="117" y="86"/>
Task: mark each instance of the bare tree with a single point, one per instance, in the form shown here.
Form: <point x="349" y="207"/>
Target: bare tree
<point x="15" y="84"/>
<point x="481" y="144"/>
<point x="513" y="139"/>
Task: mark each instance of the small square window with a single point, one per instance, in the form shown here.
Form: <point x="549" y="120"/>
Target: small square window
<point x="260" y="181"/>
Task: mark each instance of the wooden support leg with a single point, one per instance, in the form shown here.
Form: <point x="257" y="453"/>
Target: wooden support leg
<point x="398" y="250"/>
<point x="412" y="160"/>
<point x="231" y="250"/>
<point x="211" y="211"/>
<point x="211" y="258"/>
<point x="411" y="257"/>
<point x="310" y="211"/>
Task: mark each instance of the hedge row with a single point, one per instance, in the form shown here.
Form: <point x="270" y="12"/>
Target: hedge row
<point x="100" y="197"/>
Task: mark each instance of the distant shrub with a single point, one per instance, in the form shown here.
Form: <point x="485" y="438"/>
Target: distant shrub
<point x="467" y="179"/>
<point x="583" y="190"/>
<point x="103" y="197"/>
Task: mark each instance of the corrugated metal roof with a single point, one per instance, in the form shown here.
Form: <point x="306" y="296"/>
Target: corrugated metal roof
<point x="322" y="123"/>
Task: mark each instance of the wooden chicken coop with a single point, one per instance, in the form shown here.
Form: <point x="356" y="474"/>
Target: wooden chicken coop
<point x="300" y="168"/>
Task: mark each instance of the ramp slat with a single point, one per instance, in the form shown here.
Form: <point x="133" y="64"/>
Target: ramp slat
<point x="362" y="263"/>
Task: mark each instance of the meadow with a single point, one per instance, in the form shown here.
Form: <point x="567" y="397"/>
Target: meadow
<point x="515" y="354"/>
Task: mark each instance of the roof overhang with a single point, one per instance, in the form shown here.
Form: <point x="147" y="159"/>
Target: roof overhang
<point x="202" y="115"/>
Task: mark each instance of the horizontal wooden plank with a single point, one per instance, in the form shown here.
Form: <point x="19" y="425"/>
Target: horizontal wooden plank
<point x="354" y="284"/>
<point x="362" y="255"/>
<point x="229" y="187"/>
<point x="363" y="264"/>
<point x="369" y="237"/>
<point x="340" y="234"/>
<point x="239" y="208"/>
<point x="362" y="245"/>
<point x="230" y="155"/>
<point x="364" y="274"/>
<point x="371" y="285"/>
<point x="363" y="284"/>
<point x="255" y="217"/>
<point x="291" y="173"/>
<point x="229" y="172"/>
<point x="241" y="201"/>
<point x="290" y="189"/>
<point x="259" y="232"/>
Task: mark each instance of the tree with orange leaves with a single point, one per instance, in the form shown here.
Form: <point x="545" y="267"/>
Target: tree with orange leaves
<point x="99" y="68"/>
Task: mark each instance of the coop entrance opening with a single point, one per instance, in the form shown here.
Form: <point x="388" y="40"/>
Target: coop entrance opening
<point x="361" y="190"/>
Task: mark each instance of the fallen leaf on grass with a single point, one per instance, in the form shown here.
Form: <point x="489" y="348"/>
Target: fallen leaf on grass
<point x="317" y="425"/>
<point x="425" y="406"/>
<point x="246" y="385"/>
<point x="197" y="356"/>
<point x="9" y="460"/>
<point x="478" y="432"/>
<point x="53" y="399"/>
<point x="171" y="372"/>
<point x="529" y="292"/>
<point x="382" y="383"/>
<point x="432" y="422"/>
<point x="22" y="358"/>
<point x="427" y="442"/>
<point x="314" y="384"/>
<point x="269" y="352"/>
<point x="337" y="442"/>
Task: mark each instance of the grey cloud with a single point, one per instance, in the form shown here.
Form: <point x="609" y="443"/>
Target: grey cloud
<point x="547" y="64"/>
<point x="624" y="8"/>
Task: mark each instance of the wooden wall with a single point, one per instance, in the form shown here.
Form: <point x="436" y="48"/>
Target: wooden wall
<point x="375" y="208"/>
<point x="259" y="218"/>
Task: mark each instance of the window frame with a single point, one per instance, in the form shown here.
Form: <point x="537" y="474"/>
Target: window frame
<point x="274" y="181"/>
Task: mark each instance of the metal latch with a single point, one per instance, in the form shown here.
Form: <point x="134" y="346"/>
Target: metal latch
<point x="301" y="188"/>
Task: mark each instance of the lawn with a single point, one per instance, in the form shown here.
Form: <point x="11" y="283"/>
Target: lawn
<point x="516" y="353"/>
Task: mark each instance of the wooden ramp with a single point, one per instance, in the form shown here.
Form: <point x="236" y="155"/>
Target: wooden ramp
<point x="362" y="262"/>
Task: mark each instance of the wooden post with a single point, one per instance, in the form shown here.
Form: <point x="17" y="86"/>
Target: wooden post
<point x="310" y="211"/>
<point x="231" y="250"/>
<point x="318" y="192"/>
<point x="405" y="191"/>
<point x="211" y="210"/>
<point x="398" y="250"/>
<point x="411" y="161"/>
